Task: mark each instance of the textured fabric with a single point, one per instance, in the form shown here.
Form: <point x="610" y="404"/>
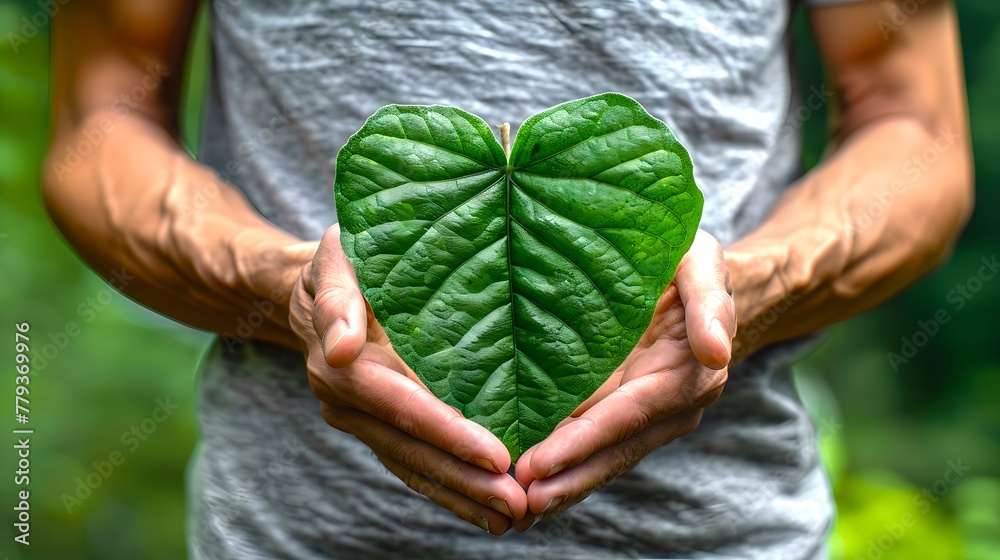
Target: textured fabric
<point x="294" y="79"/>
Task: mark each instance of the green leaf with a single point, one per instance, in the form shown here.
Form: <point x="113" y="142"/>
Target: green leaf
<point x="515" y="289"/>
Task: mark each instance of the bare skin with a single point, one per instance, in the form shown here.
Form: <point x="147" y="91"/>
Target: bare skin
<point x="137" y="201"/>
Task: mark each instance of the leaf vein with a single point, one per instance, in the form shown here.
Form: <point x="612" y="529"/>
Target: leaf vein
<point x="410" y="182"/>
<point x="443" y="149"/>
<point x="569" y="326"/>
<point x="452" y="273"/>
<point x="614" y="186"/>
<point x="435" y="222"/>
<point x="570" y="261"/>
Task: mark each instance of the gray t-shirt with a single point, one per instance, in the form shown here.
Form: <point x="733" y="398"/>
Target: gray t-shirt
<point x="294" y="79"/>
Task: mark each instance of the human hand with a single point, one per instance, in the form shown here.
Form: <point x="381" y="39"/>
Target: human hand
<point x="679" y="367"/>
<point x="366" y="390"/>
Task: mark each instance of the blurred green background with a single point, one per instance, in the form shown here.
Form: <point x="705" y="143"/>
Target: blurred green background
<point x="887" y="436"/>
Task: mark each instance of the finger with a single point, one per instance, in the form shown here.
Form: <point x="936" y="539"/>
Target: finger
<point x="638" y="404"/>
<point x="401" y="402"/>
<point x="339" y="310"/>
<point x="522" y="470"/>
<point x="702" y="280"/>
<point x="550" y="496"/>
<point x="460" y="506"/>
<point x="497" y="491"/>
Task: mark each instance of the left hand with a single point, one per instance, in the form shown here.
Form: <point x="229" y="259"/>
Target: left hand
<point x="679" y="367"/>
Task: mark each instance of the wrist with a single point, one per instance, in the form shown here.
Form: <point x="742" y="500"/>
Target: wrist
<point x="247" y="264"/>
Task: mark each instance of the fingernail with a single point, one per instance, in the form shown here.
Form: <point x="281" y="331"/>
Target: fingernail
<point x="556" y="467"/>
<point x="486" y="463"/>
<point x="500" y="505"/>
<point x="553" y="503"/>
<point x="335" y="333"/>
<point x="483" y="523"/>
<point x="722" y="334"/>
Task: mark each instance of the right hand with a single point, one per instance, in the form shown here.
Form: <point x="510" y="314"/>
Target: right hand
<point x="366" y="390"/>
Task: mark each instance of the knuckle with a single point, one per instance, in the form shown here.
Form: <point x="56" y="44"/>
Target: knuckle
<point x="713" y="385"/>
<point x="322" y="379"/>
<point x="331" y="416"/>
<point x="586" y="428"/>
<point x="305" y="279"/>
<point x="319" y="387"/>
<point x="449" y="470"/>
<point x="413" y="481"/>
<point x="689" y="424"/>
<point x="330" y="297"/>
<point x="641" y="413"/>
<point x="719" y="379"/>
<point x="409" y="455"/>
<point x="461" y="512"/>
<point x="328" y="413"/>
<point x="392" y="415"/>
<point x="634" y="450"/>
<point x="399" y="415"/>
<point x="460" y="443"/>
<point x="722" y="302"/>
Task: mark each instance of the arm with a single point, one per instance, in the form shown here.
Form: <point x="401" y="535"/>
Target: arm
<point x="888" y="203"/>
<point x="122" y="190"/>
<point x="128" y="198"/>
<point x="821" y="256"/>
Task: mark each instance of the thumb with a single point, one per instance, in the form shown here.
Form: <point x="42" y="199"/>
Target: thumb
<point x="702" y="281"/>
<point x="339" y="310"/>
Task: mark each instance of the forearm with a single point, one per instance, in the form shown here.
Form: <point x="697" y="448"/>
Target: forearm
<point x="882" y="211"/>
<point x="198" y="252"/>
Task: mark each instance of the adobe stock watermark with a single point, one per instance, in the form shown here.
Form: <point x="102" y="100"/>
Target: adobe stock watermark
<point x="246" y="325"/>
<point x="922" y="503"/>
<point x="131" y="439"/>
<point x="901" y="14"/>
<point x="122" y="106"/>
<point x="958" y="297"/>
<point x="818" y="98"/>
<point x="87" y="311"/>
<point x="913" y="169"/>
<point x="33" y="24"/>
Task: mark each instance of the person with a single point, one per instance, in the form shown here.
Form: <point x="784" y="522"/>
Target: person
<point x="229" y="244"/>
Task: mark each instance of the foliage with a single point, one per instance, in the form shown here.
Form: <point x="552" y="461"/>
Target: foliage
<point x="514" y="287"/>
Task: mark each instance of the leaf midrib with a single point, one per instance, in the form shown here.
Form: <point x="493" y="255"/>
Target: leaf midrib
<point x="509" y="219"/>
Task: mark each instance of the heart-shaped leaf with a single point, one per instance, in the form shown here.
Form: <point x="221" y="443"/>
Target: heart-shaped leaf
<point x="515" y="288"/>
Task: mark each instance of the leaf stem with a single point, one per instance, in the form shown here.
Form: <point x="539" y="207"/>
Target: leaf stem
<point x="505" y="138"/>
